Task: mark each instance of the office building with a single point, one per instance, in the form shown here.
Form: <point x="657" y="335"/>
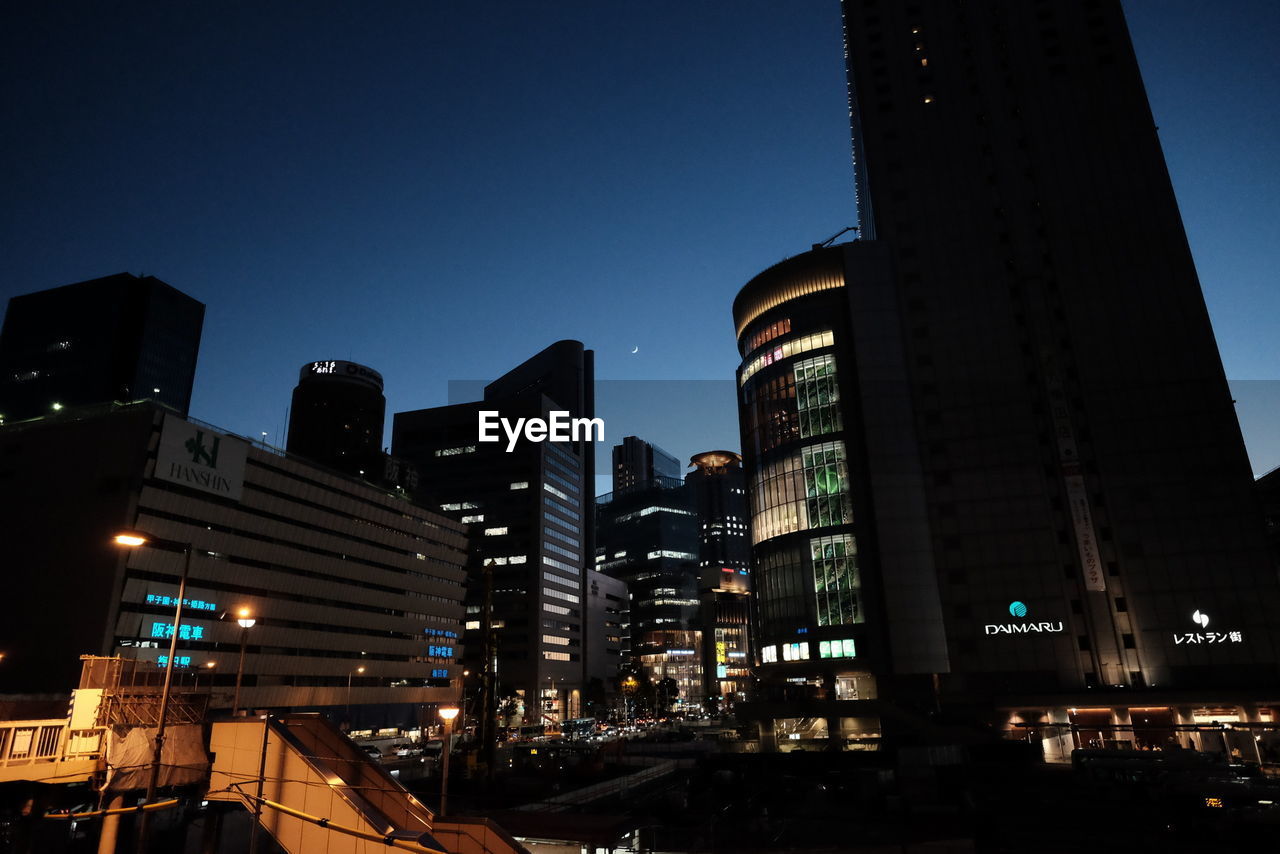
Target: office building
<point x="530" y="523"/>
<point x="647" y="535"/>
<point x="118" y="338"/>
<point x="991" y="453"/>
<point x="638" y="463"/>
<point x="357" y="595"/>
<point x="608" y="616"/>
<point x="336" y="418"/>
<point x="1268" y="489"/>
<point x="718" y="492"/>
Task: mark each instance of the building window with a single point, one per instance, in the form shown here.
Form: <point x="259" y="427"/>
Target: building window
<point x="495" y="532"/>
<point x="803" y="491"/>
<point x="770" y="332"/>
<point x="817" y="396"/>
<point x="520" y="484"/>
<point x="795" y="651"/>
<point x="786" y="350"/>
<point x="769" y="654"/>
<point x="836" y="649"/>
<point x="835" y="580"/>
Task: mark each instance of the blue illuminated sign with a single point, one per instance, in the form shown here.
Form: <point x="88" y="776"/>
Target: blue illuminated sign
<point x="185" y="631"/>
<point x="178" y="660"/>
<point x="172" y="602"/>
<point x="439" y="633"/>
<point x="440" y="651"/>
<point x="439" y="674"/>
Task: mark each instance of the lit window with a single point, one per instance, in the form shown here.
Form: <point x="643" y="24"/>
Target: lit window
<point x="769" y="654"/>
<point x="555" y="640"/>
<point x="466" y="520"/>
<point x="520" y="484"/>
<point x="837" y="649"/>
<point x="495" y="532"/>
<point x="795" y="651"/>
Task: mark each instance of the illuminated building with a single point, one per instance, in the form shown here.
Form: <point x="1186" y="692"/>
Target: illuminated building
<point x="718" y="491"/>
<point x="991" y="454"/>
<point x="336" y="417"/>
<point x="356" y="594"/>
<point x="118" y="338"/>
<point x="530" y="523"/>
<point x="647" y="536"/>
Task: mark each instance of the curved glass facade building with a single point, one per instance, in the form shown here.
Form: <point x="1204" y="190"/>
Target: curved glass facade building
<point x="816" y="622"/>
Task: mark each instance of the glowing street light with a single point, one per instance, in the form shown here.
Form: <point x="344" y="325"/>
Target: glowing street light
<point x="351" y="673"/>
<point x="134" y="539"/>
<point x="246" y="622"/>
<point x="447" y="713"/>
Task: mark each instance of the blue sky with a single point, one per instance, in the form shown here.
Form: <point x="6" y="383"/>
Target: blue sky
<point x="440" y="189"/>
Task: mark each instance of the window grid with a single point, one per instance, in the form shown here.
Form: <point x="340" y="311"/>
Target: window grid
<point x="836" y="582"/>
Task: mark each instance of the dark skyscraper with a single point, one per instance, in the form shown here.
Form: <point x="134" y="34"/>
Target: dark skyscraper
<point x="118" y="338"/>
<point x="638" y="463"/>
<point x="990" y="449"/>
<point x="337" y="416"/>
<point x="530" y="515"/>
<point x="718" y="490"/>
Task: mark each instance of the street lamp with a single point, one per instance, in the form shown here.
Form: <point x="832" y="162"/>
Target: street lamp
<point x="351" y="673"/>
<point x="246" y="622"/>
<point x="448" y="713"/>
<point x="133" y="539"/>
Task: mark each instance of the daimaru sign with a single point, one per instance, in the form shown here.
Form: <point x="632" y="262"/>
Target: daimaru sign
<point x="201" y="458"/>
<point x="1019" y="609"/>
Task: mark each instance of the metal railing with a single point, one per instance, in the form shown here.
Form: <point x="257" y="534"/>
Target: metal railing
<point x="35" y="750"/>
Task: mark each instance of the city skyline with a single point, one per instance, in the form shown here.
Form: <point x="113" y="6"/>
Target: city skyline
<point x="390" y="189"/>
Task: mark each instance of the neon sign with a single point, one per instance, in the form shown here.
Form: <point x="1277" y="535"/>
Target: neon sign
<point x="172" y="601"/>
<point x="1019" y="609"/>
<point x="185" y="631"/>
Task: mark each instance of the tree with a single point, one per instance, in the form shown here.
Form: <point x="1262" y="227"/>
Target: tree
<point x="667" y="690"/>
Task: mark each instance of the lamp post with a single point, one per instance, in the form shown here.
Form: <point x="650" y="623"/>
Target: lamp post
<point x="448" y="713"/>
<point x="208" y="665"/>
<point x="351" y="673"/>
<point x="246" y="622"/>
<point x="133" y="539"/>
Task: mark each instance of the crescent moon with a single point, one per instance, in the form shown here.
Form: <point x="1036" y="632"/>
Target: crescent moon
<point x="635" y="350"/>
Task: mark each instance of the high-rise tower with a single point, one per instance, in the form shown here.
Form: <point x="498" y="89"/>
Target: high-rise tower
<point x="998" y="428"/>
<point x="530" y="513"/>
<point x="118" y="338"/>
<point x="337" y="416"/>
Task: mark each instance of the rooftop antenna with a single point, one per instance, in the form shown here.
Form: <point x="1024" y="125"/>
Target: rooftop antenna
<point x="832" y="238"/>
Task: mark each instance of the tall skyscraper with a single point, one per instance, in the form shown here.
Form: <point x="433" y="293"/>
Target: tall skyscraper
<point x="647" y="536"/>
<point x="718" y="491"/>
<point x="337" y="416"/>
<point x="637" y="463"/>
<point x="118" y="338"/>
<point x="990" y="448"/>
<point x="531" y="523"/>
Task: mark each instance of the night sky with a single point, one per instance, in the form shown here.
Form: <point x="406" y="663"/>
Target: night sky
<point x="440" y="189"/>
